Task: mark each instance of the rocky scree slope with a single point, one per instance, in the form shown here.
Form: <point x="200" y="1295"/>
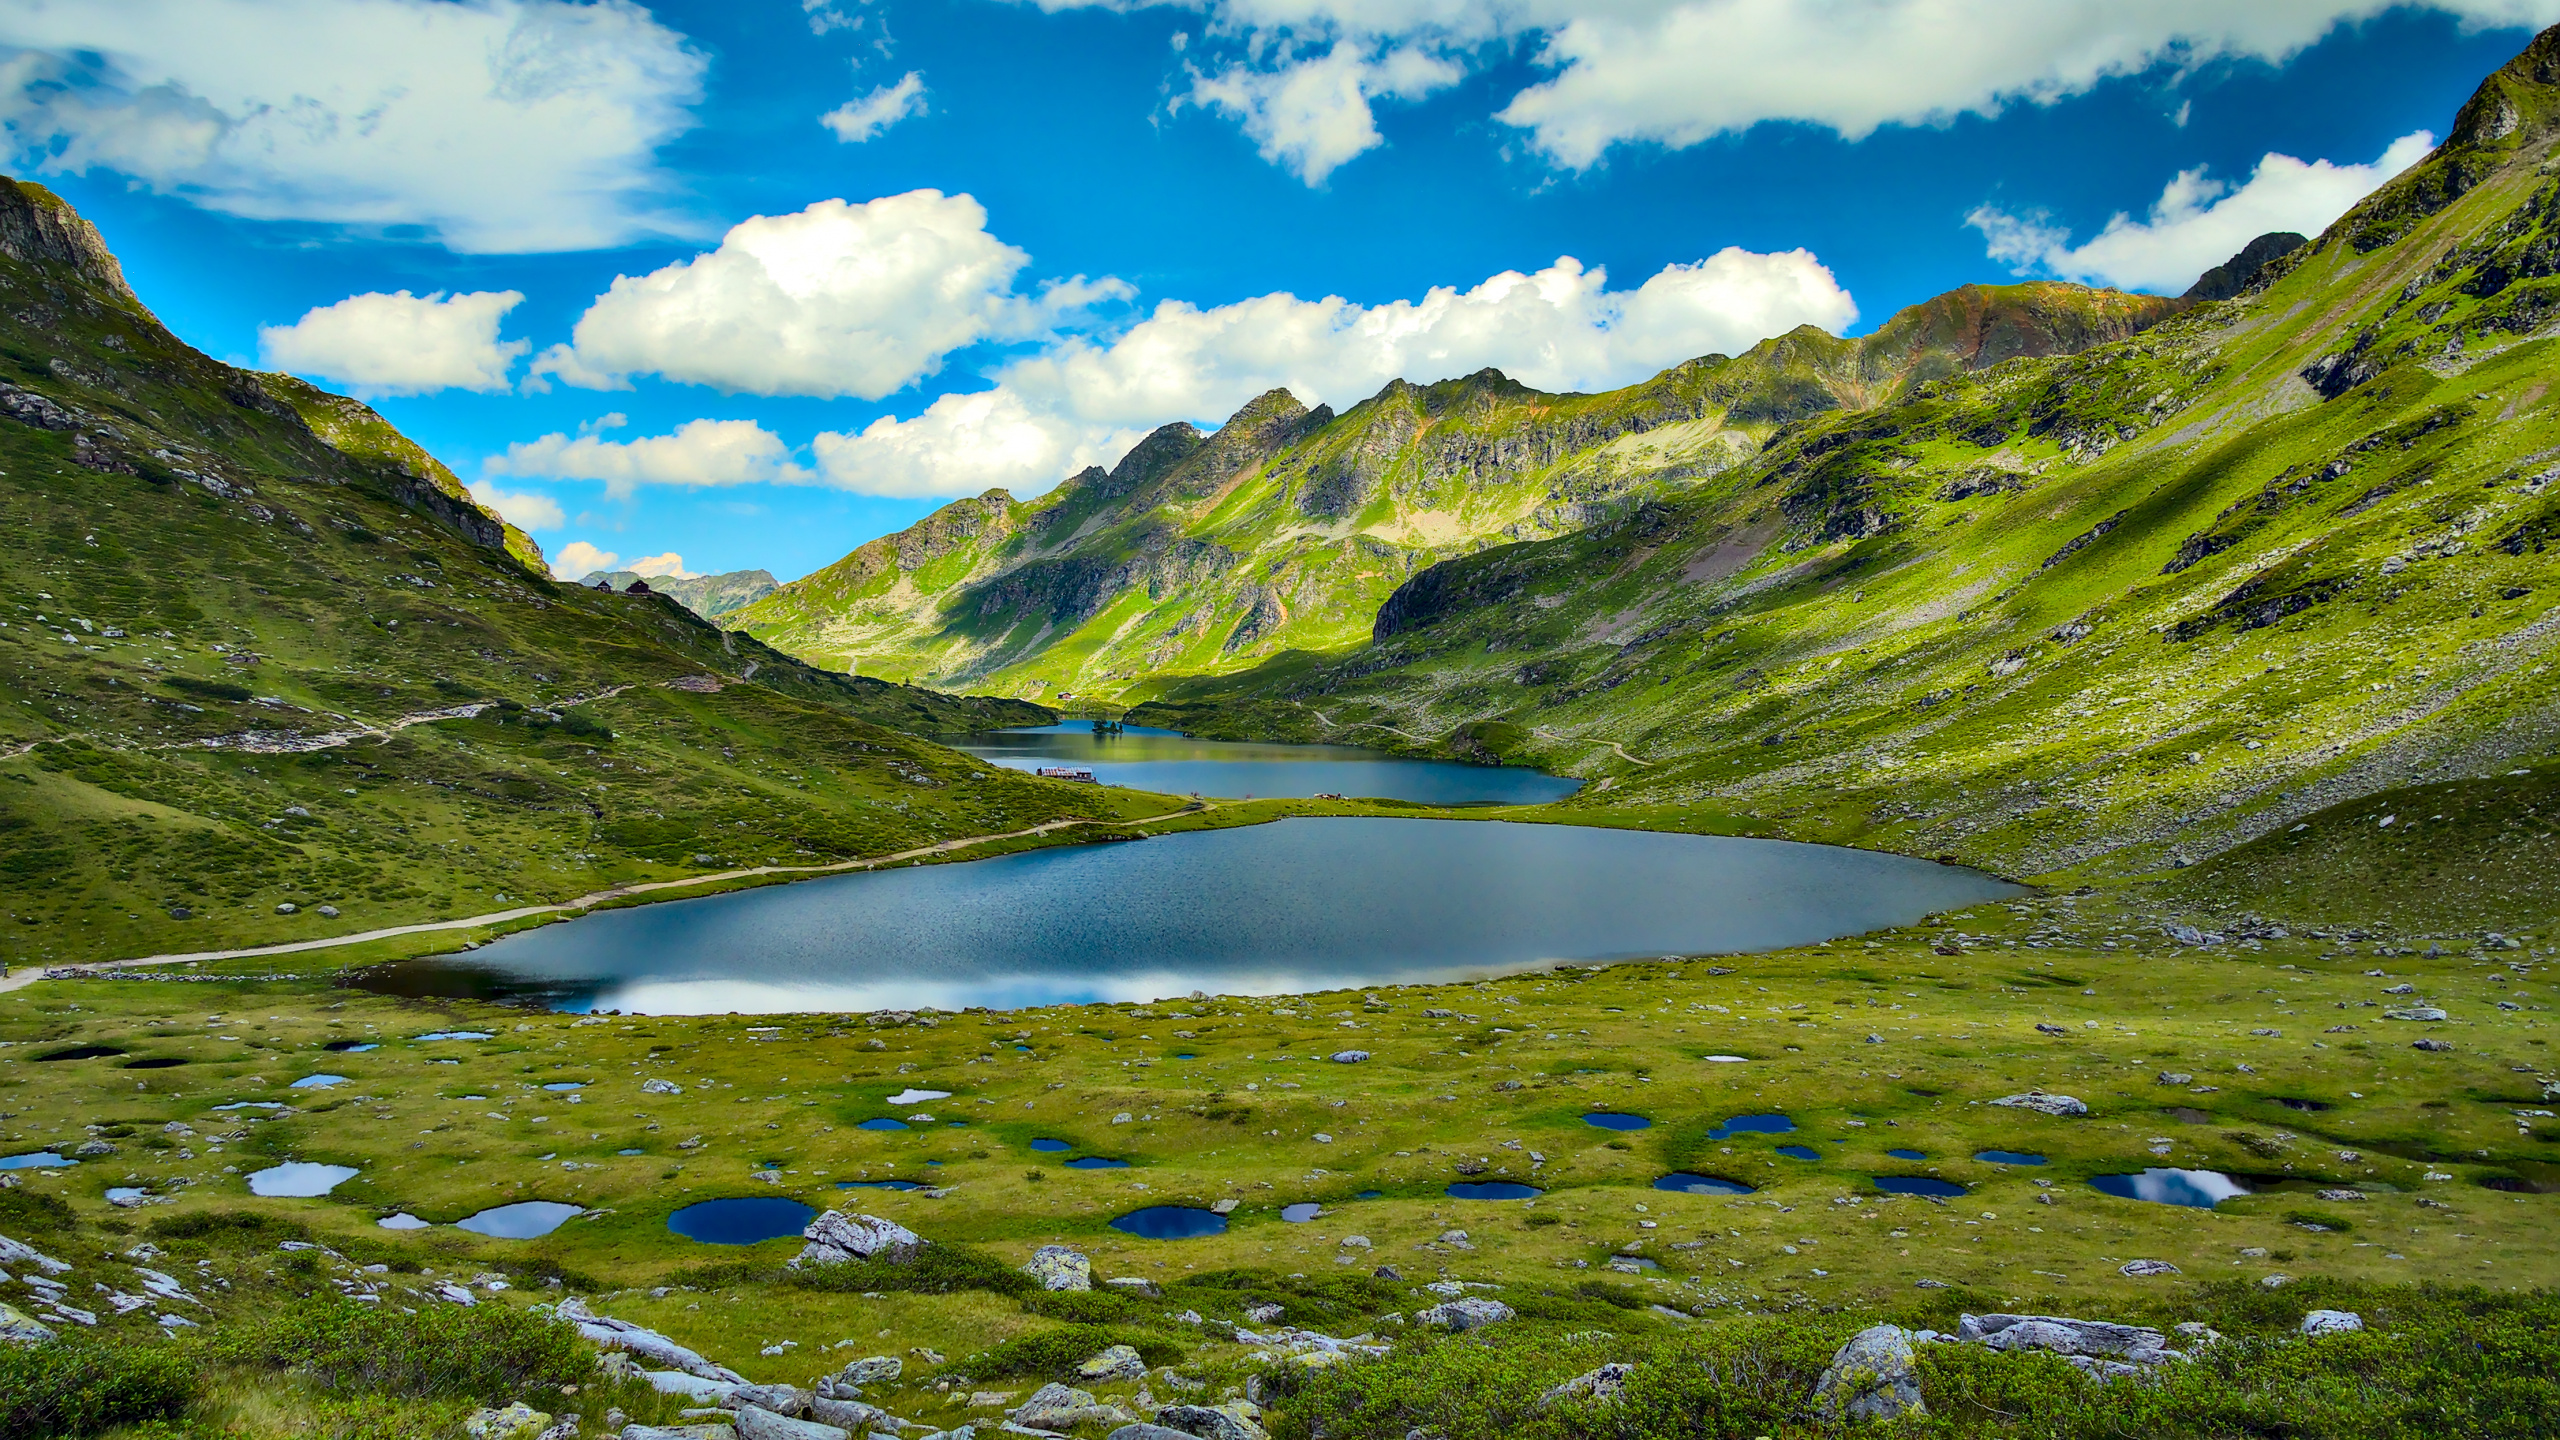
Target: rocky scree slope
<point x="2097" y="614"/>
<point x="1286" y="528"/>
<point x="257" y="651"/>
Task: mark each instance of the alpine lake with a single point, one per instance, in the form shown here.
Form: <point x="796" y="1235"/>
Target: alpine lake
<point x="1605" y="1068"/>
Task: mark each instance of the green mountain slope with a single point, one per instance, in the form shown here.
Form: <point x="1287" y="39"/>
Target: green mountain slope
<point x="257" y="649"/>
<point x="709" y="596"/>
<point x="2099" y="613"/>
<point x="1202" y="555"/>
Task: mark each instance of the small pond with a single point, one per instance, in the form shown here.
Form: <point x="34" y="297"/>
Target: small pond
<point x="127" y="1194"/>
<point x="2308" y="1107"/>
<point x="1051" y="1146"/>
<point x="1301" y="1213"/>
<point x="2202" y="1189"/>
<point x="83" y="1052"/>
<point x="36" y="1160"/>
<point x="1751" y="1125"/>
<point x="1799" y="1152"/>
<point x="881" y="1122"/>
<point x="299" y="1179"/>
<point x="1913" y="1154"/>
<point x="878" y="1185"/>
<point x="1370" y="1195"/>
<point x="633" y="1150"/>
<point x="741" y="1221"/>
<point x="155" y="1062"/>
<point x="1096" y="1162"/>
<point x="253" y="1105"/>
<point x="1492" y="1190"/>
<point x="1295" y="905"/>
<point x="1171" y="763"/>
<point x="317" y="1082"/>
<point x="456" y="1035"/>
<point x="1608" y="1121"/>
<point x="557" y="1085"/>
<point x="351" y="1047"/>
<point x="523" y="1220"/>
<point x="403" y="1221"/>
<point x="913" y="1096"/>
<point x="1929" y="1185"/>
<point x="1690" y="1184"/>
<point x="2005" y="1157"/>
<point x="1171" y="1222"/>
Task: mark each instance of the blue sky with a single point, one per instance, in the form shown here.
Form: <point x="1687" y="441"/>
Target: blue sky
<point x="882" y="254"/>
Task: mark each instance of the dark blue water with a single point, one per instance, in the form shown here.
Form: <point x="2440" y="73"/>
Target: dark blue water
<point x="1096" y="1162"/>
<point x="2202" y="1189"/>
<point x="37" y="1160"/>
<point x="1918" y="1154"/>
<point x="1751" y="1125"/>
<point x="1608" y="1121"/>
<point x="2004" y="1157"/>
<point x="351" y="1047"/>
<point x="1298" y="905"/>
<point x="1369" y="1195"/>
<point x="1919" y="1185"/>
<point x="881" y="1122"/>
<point x="1689" y="1184"/>
<point x="1170" y="1222"/>
<point x="156" y="1062"/>
<point x="1493" y="1190"/>
<point x="1174" y="764"/>
<point x="1051" y="1145"/>
<point x="740" y="1222"/>
<point x="1799" y="1152"/>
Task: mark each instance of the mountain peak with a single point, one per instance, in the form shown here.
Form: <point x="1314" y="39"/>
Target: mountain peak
<point x="38" y="227"/>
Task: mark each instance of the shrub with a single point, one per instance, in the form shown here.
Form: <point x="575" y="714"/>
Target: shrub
<point x="1084" y="1307"/>
<point x="228" y="1227"/>
<point x="82" y="1386"/>
<point x="1055" y="1354"/>
<point x="483" y="1352"/>
<point x="26" y="1209"/>
<point x="935" y="1270"/>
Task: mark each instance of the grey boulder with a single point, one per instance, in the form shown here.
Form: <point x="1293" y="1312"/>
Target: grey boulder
<point x="837" y="1237"/>
<point x="869" y="1370"/>
<point x="2065" y="1106"/>
<point x="1116" y="1363"/>
<point x="679" y="1432"/>
<point x="1061" y="1407"/>
<point x="2331" y="1322"/>
<point x="1469" y="1314"/>
<point x="1146" y="1431"/>
<point x="1871" y="1378"/>
<point x="1603" y="1384"/>
<point x="2063" y="1335"/>
<point x="1231" y="1421"/>
<point x="1058" y="1268"/>
<point x="759" y="1424"/>
<point x="850" y="1414"/>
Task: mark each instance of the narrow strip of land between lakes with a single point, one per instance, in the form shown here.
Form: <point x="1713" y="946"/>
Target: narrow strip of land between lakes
<point x="32" y="973"/>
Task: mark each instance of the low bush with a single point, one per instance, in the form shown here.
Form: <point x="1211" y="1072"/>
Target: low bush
<point x="1085" y="1307"/>
<point x="482" y="1352"/>
<point x="25" y="1210"/>
<point x="935" y="1270"/>
<point x="1055" y="1354"/>
<point x="82" y="1386"/>
<point x="228" y="1227"/>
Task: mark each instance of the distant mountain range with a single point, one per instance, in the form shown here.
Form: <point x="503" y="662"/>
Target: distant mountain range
<point x="708" y="596"/>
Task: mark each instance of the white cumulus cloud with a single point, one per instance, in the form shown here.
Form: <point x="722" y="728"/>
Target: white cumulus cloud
<point x="578" y="559"/>
<point x="1312" y="115"/>
<point x="696" y="454"/>
<point x="669" y="566"/>
<point x="1083" y="400"/>
<point x="838" y="299"/>
<point x="492" y="125"/>
<point x="1676" y="72"/>
<point x="2198" y="221"/>
<point x="400" y="344"/>
<point x="524" y="509"/>
<point x="858" y="120"/>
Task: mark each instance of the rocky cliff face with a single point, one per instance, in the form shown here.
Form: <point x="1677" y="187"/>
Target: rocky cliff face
<point x="1287" y="527"/>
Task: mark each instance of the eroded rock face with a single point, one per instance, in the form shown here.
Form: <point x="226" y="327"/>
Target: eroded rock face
<point x="1062" y="1407"/>
<point x="837" y="1237"/>
<point x="856" y="1416"/>
<point x="1871" y="1378"/>
<point x="1058" y="1268"/>
<point x="757" y="1424"/>
<point x="785" y="1400"/>
<point x="2064" y="1335"/>
<point x="1466" y="1314"/>
<point x="1231" y="1421"/>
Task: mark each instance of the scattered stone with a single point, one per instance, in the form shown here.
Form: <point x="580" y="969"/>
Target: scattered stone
<point x="1117" y="1363"/>
<point x="870" y="1370"/>
<point x="518" y="1421"/>
<point x="1599" y="1386"/>
<point x="1135" y="1285"/>
<point x="2066" y="1336"/>
<point x="755" y="1423"/>
<point x="1871" y="1378"/>
<point x="17" y="1325"/>
<point x="2274" y="1282"/>
<point x="1223" y="1207"/>
<point x="647" y="1344"/>
<point x="1467" y="1314"/>
<point x="678" y="1432"/>
<point x="1235" y="1420"/>
<point x="660" y="1087"/>
<point x="2413" y="1012"/>
<point x="2043" y="1104"/>
<point x="785" y="1400"/>
<point x="2437" y="1047"/>
<point x="2342" y="1195"/>
<point x="329" y="912"/>
<point x="1348" y="1057"/>
<point x="1387" y="1272"/>
<point x="2197" y="1333"/>
<point x="1058" y="1268"/>
<point x="1060" y="1407"/>
<point x="1264" y="1313"/>
<point x="846" y="1413"/>
<point x="837" y="1237"/>
<point x="2141" y="1268"/>
<point x="1144" y="1430"/>
<point x="2331" y="1322"/>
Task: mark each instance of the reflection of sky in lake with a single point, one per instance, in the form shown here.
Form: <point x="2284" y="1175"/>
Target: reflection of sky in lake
<point x="1174" y="764"/>
<point x="2202" y="1189"/>
<point x="1292" y="906"/>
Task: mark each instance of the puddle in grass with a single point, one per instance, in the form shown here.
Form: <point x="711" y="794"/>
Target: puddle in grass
<point x="740" y="1221"/>
<point x="317" y="1082"/>
<point x="878" y="1185"/>
<point x="300" y="1179"/>
<point x="2008" y="1157"/>
<point x="1096" y="1162"/>
<point x="403" y="1221"/>
<point x="1301" y="1213"/>
<point x="83" y="1052"/>
<point x="350" y="1047"/>
<point x="1170" y="1222"/>
<point x="37" y="1160"/>
<point x="1492" y="1190"/>
<point x="2202" y="1189"/>
<point x="1689" y="1184"/>
<point x="1051" y="1146"/>
<point x="1751" y="1125"/>
<point x="1799" y="1152"/>
<point x="881" y="1122"/>
<point x="523" y="1220"/>
<point x="457" y="1035"/>
<point x="1911" y="1154"/>
<point x="1609" y="1121"/>
<point x="156" y="1062"/>
<point x="1929" y="1185"/>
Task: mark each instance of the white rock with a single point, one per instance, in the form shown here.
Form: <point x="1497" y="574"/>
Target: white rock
<point x="2065" y="1106"/>
<point x="838" y="1236"/>
<point x="2331" y="1322"/>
